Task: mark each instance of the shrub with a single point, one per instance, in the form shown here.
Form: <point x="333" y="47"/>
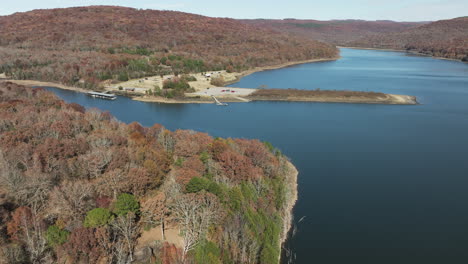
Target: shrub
<point x="104" y="76"/>
<point x="268" y="255"/>
<point x="217" y="81"/>
<point x="97" y="217"/>
<point x="269" y="146"/>
<point x="204" y="157"/>
<point x="157" y="90"/>
<point x="126" y="203"/>
<point x="207" y="253"/>
<point x="197" y="184"/>
<point x="56" y="236"/>
<point x="215" y="189"/>
<point x="179" y="162"/>
<point x="188" y="78"/>
<point x="236" y="199"/>
<point x="176" y="83"/>
<point x="123" y="77"/>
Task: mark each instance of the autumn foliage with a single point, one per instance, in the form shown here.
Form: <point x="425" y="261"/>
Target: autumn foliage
<point x="78" y="186"/>
<point x="83" y="46"/>
<point x="338" y="32"/>
<point x="444" y="38"/>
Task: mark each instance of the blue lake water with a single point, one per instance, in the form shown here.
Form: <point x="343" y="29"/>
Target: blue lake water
<point x="377" y="183"/>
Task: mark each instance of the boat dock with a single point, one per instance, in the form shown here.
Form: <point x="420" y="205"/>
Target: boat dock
<point x="108" y="96"/>
<point x="218" y="102"/>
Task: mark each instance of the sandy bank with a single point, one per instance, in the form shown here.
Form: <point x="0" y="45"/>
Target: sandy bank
<point x="190" y="100"/>
<point x="394" y="99"/>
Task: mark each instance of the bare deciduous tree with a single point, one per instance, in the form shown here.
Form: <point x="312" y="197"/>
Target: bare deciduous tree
<point x="195" y="213"/>
<point x="154" y="211"/>
<point x="27" y="190"/>
<point x="166" y="140"/>
<point x="111" y="182"/>
<point x="126" y="229"/>
<point x="72" y="199"/>
<point x="26" y="227"/>
<point x="243" y="246"/>
<point x="96" y="161"/>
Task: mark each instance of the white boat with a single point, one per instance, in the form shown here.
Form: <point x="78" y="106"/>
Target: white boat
<point x="107" y="96"/>
<point x="218" y="102"/>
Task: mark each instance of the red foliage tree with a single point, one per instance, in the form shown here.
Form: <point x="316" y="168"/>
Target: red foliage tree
<point x="83" y="246"/>
<point x="238" y="167"/>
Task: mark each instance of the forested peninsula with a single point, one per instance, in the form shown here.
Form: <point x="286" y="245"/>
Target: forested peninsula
<point x="78" y="186"/>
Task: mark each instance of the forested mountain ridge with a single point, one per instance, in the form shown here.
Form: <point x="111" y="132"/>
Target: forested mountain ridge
<point x="338" y="32"/>
<point x="444" y="38"/>
<point x="86" y="45"/>
<point x="78" y="186"/>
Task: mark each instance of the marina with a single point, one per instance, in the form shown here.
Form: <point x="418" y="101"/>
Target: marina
<point x="107" y="96"/>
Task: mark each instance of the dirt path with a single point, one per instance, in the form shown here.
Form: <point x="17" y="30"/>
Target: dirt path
<point x="171" y="236"/>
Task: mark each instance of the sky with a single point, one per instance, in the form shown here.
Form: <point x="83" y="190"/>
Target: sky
<point x="397" y="10"/>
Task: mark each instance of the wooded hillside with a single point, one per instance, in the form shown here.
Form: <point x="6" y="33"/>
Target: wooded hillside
<point x="338" y="32"/>
<point x="445" y="38"/>
<point x="85" y="45"/>
<point x="78" y="186"/>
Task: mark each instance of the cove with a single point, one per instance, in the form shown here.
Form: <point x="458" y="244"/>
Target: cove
<point x="377" y="183"/>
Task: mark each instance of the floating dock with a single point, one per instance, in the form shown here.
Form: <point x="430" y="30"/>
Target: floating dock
<point x="107" y="96"/>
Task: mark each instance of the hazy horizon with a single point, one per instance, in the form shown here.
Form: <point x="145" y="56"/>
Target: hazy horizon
<point x="377" y="10"/>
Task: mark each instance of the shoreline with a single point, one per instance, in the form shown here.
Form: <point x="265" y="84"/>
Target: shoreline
<point x="390" y="99"/>
<point x="47" y="84"/>
<point x="188" y="100"/>
<point x="239" y="76"/>
<point x="291" y="198"/>
<point x="280" y="66"/>
<point x="201" y="99"/>
<point x="404" y="51"/>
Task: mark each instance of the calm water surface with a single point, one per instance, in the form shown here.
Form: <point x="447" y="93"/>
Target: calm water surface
<point x="377" y="183"/>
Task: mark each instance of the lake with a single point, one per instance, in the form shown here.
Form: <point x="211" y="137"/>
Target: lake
<point x="377" y="183"/>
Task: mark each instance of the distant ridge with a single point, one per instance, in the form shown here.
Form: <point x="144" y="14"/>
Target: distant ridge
<point x="444" y="38"/>
<point x="337" y="32"/>
<point x="89" y="44"/>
